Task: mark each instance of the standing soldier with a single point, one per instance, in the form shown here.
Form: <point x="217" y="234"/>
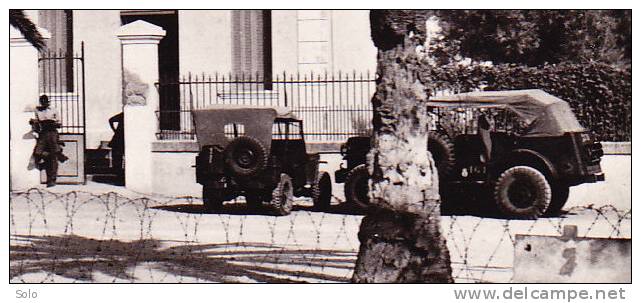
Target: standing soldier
<point x="48" y="150"/>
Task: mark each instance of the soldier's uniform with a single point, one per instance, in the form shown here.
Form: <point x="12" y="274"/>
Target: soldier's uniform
<point x="48" y="150"/>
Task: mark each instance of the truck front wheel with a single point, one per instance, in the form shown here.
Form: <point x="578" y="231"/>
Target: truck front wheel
<point x="322" y="191"/>
<point x="357" y="188"/>
<point x="522" y="192"/>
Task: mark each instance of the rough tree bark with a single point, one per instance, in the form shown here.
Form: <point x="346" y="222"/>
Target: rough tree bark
<point x="400" y="237"/>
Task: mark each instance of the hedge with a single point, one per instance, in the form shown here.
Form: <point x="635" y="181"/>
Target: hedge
<point x="599" y="94"/>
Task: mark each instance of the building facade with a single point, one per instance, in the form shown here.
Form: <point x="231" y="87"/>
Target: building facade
<point x="262" y="43"/>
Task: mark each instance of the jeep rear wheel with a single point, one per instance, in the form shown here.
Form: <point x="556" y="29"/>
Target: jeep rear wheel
<point x="212" y="198"/>
<point x="283" y="196"/>
<point x="522" y="192"/>
<point x="322" y="191"/>
<point x="357" y="187"/>
<point x="442" y="150"/>
<point x="245" y="156"/>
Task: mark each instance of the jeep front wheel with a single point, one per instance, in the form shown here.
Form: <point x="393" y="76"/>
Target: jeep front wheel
<point x="522" y="192"/>
<point x="212" y="198"/>
<point x="283" y="196"/>
<point x="356" y="187"/>
<point x="322" y="191"/>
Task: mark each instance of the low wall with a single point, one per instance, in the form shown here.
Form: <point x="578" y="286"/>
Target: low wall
<point x="617" y="148"/>
<point x="174" y="173"/>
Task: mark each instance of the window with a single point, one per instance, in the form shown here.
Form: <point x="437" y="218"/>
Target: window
<point x="252" y="45"/>
<point x="234" y="130"/>
<point x="286" y="130"/>
<point x="56" y="68"/>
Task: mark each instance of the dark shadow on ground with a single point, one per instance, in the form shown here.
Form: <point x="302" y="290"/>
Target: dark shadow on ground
<point x="475" y="201"/>
<point x="78" y="258"/>
<point x="240" y="208"/>
<point x="108" y="179"/>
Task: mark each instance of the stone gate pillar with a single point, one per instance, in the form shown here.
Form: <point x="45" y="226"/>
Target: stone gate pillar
<point x="140" y="72"/>
<point x="23" y="98"/>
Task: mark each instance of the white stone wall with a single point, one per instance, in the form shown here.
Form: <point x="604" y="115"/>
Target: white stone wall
<point x="103" y="76"/>
<point x="204" y="41"/>
<point x="205" y="47"/>
<point x="352" y="47"/>
<point x="23" y="98"/>
<point x="298" y="41"/>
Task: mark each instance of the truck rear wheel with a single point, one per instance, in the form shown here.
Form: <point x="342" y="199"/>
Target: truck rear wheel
<point x="322" y="191"/>
<point x="522" y="192"/>
<point x="357" y="188"/>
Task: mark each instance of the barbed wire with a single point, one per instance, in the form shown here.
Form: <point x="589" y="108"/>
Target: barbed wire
<point x="80" y="236"/>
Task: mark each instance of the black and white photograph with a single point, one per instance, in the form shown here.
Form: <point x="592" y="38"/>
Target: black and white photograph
<point x="323" y="146"/>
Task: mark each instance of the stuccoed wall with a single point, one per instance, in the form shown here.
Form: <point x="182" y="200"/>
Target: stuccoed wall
<point x="103" y="73"/>
<point x="205" y="41"/>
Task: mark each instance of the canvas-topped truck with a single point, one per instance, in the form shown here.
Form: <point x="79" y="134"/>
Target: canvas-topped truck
<point x="259" y="153"/>
<point x="525" y="147"/>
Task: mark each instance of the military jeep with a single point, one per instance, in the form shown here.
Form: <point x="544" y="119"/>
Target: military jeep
<point x="524" y="147"/>
<point x="259" y="153"/>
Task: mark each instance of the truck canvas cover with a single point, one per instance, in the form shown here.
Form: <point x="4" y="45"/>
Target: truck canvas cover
<point x="545" y="114"/>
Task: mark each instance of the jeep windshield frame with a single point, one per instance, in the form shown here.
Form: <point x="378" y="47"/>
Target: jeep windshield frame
<point x="542" y="113"/>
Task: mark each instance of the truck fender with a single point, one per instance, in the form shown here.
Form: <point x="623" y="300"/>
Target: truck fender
<point x="530" y="158"/>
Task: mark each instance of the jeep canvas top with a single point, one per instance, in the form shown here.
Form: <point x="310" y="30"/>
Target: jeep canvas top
<point x="545" y="114"/>
<point x="210" y="122"/>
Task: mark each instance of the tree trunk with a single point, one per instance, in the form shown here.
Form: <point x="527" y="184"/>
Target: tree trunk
<point x="400" y="238"/>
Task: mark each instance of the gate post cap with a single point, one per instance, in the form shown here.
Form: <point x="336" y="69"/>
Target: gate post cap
<point x="140" y="32"/>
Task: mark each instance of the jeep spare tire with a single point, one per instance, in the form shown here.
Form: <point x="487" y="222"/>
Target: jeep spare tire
<point x="245" y="156"/>
<point x="357" y="187"/>
<point x="442" y="150"/>
<point x="522" y="192"/>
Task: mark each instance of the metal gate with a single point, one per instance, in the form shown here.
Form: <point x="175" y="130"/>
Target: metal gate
<point x="62" y="78"/>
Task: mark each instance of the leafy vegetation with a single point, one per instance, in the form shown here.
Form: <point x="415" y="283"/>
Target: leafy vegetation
<point x="536" y="37"/>
<point x="599" y="93"/>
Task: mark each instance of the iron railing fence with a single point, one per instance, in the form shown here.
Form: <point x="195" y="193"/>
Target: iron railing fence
<point x="332" y="106"/>
<point x="61" y="78"/>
